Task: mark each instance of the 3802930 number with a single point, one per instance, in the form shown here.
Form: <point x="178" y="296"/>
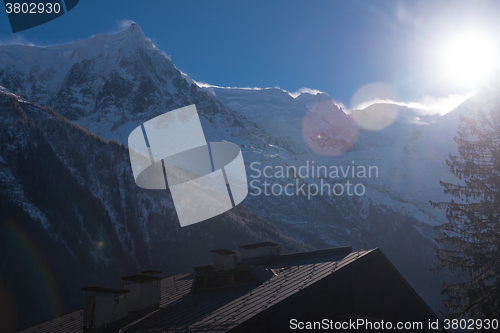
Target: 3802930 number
<point x="32" y="8"/>
<point x="485" y="324"/>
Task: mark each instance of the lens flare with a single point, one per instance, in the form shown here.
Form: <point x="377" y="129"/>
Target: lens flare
<point x="7" y="308"/>
<point x="376" y="116"/>
<point x="328" y="130"/>
<point x="35" y="259"/>
<point x="368" y="112"/>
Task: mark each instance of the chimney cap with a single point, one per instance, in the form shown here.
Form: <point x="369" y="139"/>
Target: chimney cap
<point x="140" y="278"/>
<point x="151" y="272"/>
<point x="104" y="290"/>
<point x="223" y="252"/>
<point x="257" y="245"/>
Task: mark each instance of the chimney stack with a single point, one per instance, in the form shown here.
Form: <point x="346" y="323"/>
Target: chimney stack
<point x="102" y="306"/>
<point x="264" y="249"/>
<point x="225" y="259"/>
<point x="144" y="290"/>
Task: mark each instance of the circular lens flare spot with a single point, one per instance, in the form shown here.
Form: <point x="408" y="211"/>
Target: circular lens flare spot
<point x="376" y="116"/>
<point x="328" y="130"/>
<point x="373" y="107"/>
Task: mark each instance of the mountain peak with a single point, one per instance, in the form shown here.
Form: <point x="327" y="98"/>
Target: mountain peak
<point x="132" y="31"/>
<point x="135" y="29"/>
<point x="312" y="97"/>
<point x="132" y="35"/>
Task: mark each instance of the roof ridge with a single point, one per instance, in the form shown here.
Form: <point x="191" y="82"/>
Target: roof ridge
<point x="332" y="250"/>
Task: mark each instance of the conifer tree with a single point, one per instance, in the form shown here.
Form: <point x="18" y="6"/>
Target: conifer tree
<point x="471" y="241"/>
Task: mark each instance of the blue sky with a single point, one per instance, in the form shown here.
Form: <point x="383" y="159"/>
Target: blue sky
<point x="333" y="46"/>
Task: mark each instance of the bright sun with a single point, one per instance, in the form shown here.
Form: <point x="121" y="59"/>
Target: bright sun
<point x="469" y="59"/>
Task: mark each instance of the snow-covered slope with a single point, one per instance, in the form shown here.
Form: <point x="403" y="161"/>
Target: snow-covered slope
<point x="410" y="152"/>
<point x="257" y="105"/>
<point x="310" y="99"/>
<point x="300" y="124"/>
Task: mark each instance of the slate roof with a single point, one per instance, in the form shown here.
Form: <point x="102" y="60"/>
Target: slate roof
<point x="70" y="322"/>
<point x="222" y="308"/>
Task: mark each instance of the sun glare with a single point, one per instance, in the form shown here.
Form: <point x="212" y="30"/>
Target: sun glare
<point x="469" y="59"/>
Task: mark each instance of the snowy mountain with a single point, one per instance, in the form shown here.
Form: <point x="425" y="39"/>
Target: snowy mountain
<point x="66" y="178"/>
<point x="323" y="125"/>
<point x="110" y="84"/>
<point x="409" y="152"/>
